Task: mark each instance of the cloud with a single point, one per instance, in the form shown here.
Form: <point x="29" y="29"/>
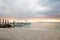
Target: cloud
<point x="53" y="5"/>
<point x="29" y="8"/>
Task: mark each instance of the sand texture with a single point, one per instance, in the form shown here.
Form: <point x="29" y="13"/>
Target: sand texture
<point x="25" y="34"/>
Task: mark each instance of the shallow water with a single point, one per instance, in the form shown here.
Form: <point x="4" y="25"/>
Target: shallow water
<point x="42" y="25"/>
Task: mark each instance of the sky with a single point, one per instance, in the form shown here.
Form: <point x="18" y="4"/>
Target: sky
<point x="30" y="8"/>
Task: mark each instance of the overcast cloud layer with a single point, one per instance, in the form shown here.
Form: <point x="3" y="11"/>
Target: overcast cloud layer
<point x="30" y="8"/>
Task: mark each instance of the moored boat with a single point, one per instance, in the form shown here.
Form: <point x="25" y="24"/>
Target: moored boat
<point x="27" y="23"/>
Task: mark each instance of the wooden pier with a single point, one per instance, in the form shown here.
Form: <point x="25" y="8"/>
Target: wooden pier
<point x="5" y="23"/>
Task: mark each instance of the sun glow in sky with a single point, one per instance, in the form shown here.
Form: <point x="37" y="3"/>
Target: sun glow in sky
<point x="50" y="20"/>
<point x="32" y="20"/>
<point x="39" y="20"/>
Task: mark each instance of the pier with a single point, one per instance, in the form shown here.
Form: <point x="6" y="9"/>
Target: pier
<point x="5" y="23"/>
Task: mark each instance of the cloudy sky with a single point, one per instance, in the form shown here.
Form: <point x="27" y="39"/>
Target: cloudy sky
<point x="30" y="8"/>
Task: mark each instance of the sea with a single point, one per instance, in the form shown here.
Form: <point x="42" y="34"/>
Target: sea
<point x="41" y="26"/>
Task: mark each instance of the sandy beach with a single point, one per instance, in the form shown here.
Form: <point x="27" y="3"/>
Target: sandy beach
<point x="28" y="34"/>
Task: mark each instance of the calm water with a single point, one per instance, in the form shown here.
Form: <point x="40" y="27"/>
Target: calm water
<point x="42" y="25"/>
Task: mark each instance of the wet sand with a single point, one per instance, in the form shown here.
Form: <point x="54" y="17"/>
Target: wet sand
<point x="28" y="34"/>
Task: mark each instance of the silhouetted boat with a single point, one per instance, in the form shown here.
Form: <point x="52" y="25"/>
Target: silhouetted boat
<point x="19" y="24"/>
<point x="27" y="23"/>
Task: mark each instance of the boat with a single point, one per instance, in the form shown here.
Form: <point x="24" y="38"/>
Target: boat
<point x="22" y="23"/>
<point x="19" y="24"/>
<point x="27" y="23"/>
